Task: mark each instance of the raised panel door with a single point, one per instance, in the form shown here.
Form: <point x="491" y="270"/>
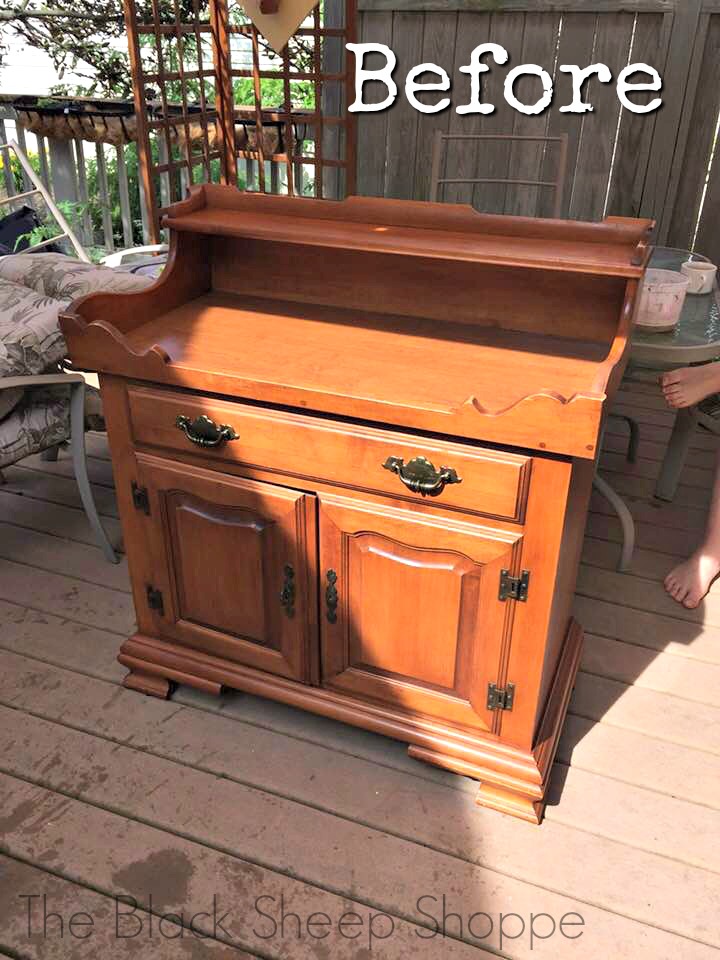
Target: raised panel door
<point x="235" y="565"/>
<point x="410" y="613"/>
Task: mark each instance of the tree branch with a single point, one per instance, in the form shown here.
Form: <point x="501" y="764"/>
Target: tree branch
<point x="7" y="16"/>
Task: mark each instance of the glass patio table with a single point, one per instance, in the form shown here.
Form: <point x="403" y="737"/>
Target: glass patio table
<point x="695" y="339"/>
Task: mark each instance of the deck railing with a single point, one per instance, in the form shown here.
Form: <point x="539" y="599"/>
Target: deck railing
<point x="98" y="187"/>
<point x="109" y="213"/>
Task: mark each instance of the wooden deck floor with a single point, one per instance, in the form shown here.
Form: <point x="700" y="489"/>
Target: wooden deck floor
<point x="184" y="803"/>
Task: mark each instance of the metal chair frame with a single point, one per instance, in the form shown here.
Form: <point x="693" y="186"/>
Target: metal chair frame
<point x="627" y="523"/>
<point x="76" y="384"/>
<point x="558" y="184"/>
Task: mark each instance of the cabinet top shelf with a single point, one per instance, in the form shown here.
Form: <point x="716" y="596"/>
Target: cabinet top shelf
<point x="430" y="317"/>
<point x="616" y="247"/>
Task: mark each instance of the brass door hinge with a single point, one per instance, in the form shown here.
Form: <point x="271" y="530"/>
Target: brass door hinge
<point x="500" y="698"/>
<point x="514" y="588"/>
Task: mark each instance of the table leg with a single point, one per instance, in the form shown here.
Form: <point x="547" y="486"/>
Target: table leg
<point x="624" y="516"/>
<point x="676" y="454"/>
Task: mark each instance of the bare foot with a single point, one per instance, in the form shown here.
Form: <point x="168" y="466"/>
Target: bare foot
<point x="690" y="581"/>
<point x="689" y="385"/>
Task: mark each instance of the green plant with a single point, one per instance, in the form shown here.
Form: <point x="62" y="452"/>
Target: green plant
<point x="16" y="169"/>
<point x="72" y="212"/>
<point x="272" y="92"/>
<point x="36" y="235"/>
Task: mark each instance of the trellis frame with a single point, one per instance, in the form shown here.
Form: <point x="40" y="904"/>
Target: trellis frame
<point x="180" y="125"/>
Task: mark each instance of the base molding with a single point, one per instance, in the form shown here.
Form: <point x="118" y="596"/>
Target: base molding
<point x="513" y="780"/>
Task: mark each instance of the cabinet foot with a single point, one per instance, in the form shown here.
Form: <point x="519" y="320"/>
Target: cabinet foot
<point x="508" y="801"/>
<point x="148" y="683"/>
<point x="525" y="802"/>
<point x="157" y="675"/>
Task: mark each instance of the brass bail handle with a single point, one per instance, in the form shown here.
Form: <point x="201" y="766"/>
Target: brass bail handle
<point x="205" y="432"/>
<point x="420" y="476"/>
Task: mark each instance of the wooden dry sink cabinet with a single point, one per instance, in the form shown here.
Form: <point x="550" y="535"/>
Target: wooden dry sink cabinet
<point x="353" y="445"/>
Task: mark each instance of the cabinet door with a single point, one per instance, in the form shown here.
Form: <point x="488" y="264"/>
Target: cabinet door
<point x="234" y="561"/>
<point x="410" y="614"/>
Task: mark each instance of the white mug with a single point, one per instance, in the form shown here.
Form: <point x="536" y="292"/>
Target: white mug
<point x="701" y="275"/>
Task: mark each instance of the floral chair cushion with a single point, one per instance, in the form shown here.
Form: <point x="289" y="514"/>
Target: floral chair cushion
<point x="39" y="421"/>
<point x="34" y="288"/>
<point x="9" y="399"/>
<point x="30" y="338"/>
<point x="64" y="278"/>
<point x="42" y="419"/>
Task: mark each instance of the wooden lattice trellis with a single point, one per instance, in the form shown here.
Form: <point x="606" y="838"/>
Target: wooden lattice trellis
<point x="215" y="102"/>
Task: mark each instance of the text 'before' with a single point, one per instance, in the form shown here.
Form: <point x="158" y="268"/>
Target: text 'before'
<point x="635" y="78"/>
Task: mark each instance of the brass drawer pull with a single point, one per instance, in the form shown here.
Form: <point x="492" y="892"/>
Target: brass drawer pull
<point x="420" y="476"/>
<point x="331" y="596"/>
<point x="287" y="594"/>
<point x="205" y="432"/>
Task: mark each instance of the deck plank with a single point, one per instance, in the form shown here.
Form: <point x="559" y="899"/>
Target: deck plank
<point x="644" y="487"/>
<point x="647" y="536"/>
<point x="646" y="668"/>
<point x="621" y="706"/>
<point x="651" y="630"/>
<point x="86" y="603"/>
<point x="42" y="485"/>
<point x="651" y="399"/>
<point x="99" y="469"/>
<point x="701" y="477"/>
<point x="660" y="433"/>
<point x="677" y="516"/>
<point x="637" y="593"/>
<point x="227" y="816"/>
<point x="138" y="860"/>
<point x="648" y="564"/>
<point x="641" y="760"/>
<point x="663" y="717"/>
<point x="655" y="450"/>
<point x="361" y="789"/>
<point x="97" y="445"/>
<point x="68" y="523"/>
<point x="636" y="817"/>
<point x="626" y="405"/>
<point x="80" y="561"/>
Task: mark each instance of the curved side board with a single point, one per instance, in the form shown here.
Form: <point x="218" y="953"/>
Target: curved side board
<point x="102" y="347"/>
<point x="96" y="326"/>
<point x="541" y="421"/>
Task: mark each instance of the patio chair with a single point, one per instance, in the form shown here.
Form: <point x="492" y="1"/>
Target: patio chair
<point x="41" y="406"/>
<point x="118" y="257"/>
<point x="557" y="184"/>
<point x="627" y="523"/>
<point x="51" y="411"/>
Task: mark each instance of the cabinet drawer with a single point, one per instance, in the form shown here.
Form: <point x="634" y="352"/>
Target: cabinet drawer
<point x="488" y="482"/>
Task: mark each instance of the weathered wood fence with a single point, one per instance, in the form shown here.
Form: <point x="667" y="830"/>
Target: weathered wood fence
<point x="661" y="164"/>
